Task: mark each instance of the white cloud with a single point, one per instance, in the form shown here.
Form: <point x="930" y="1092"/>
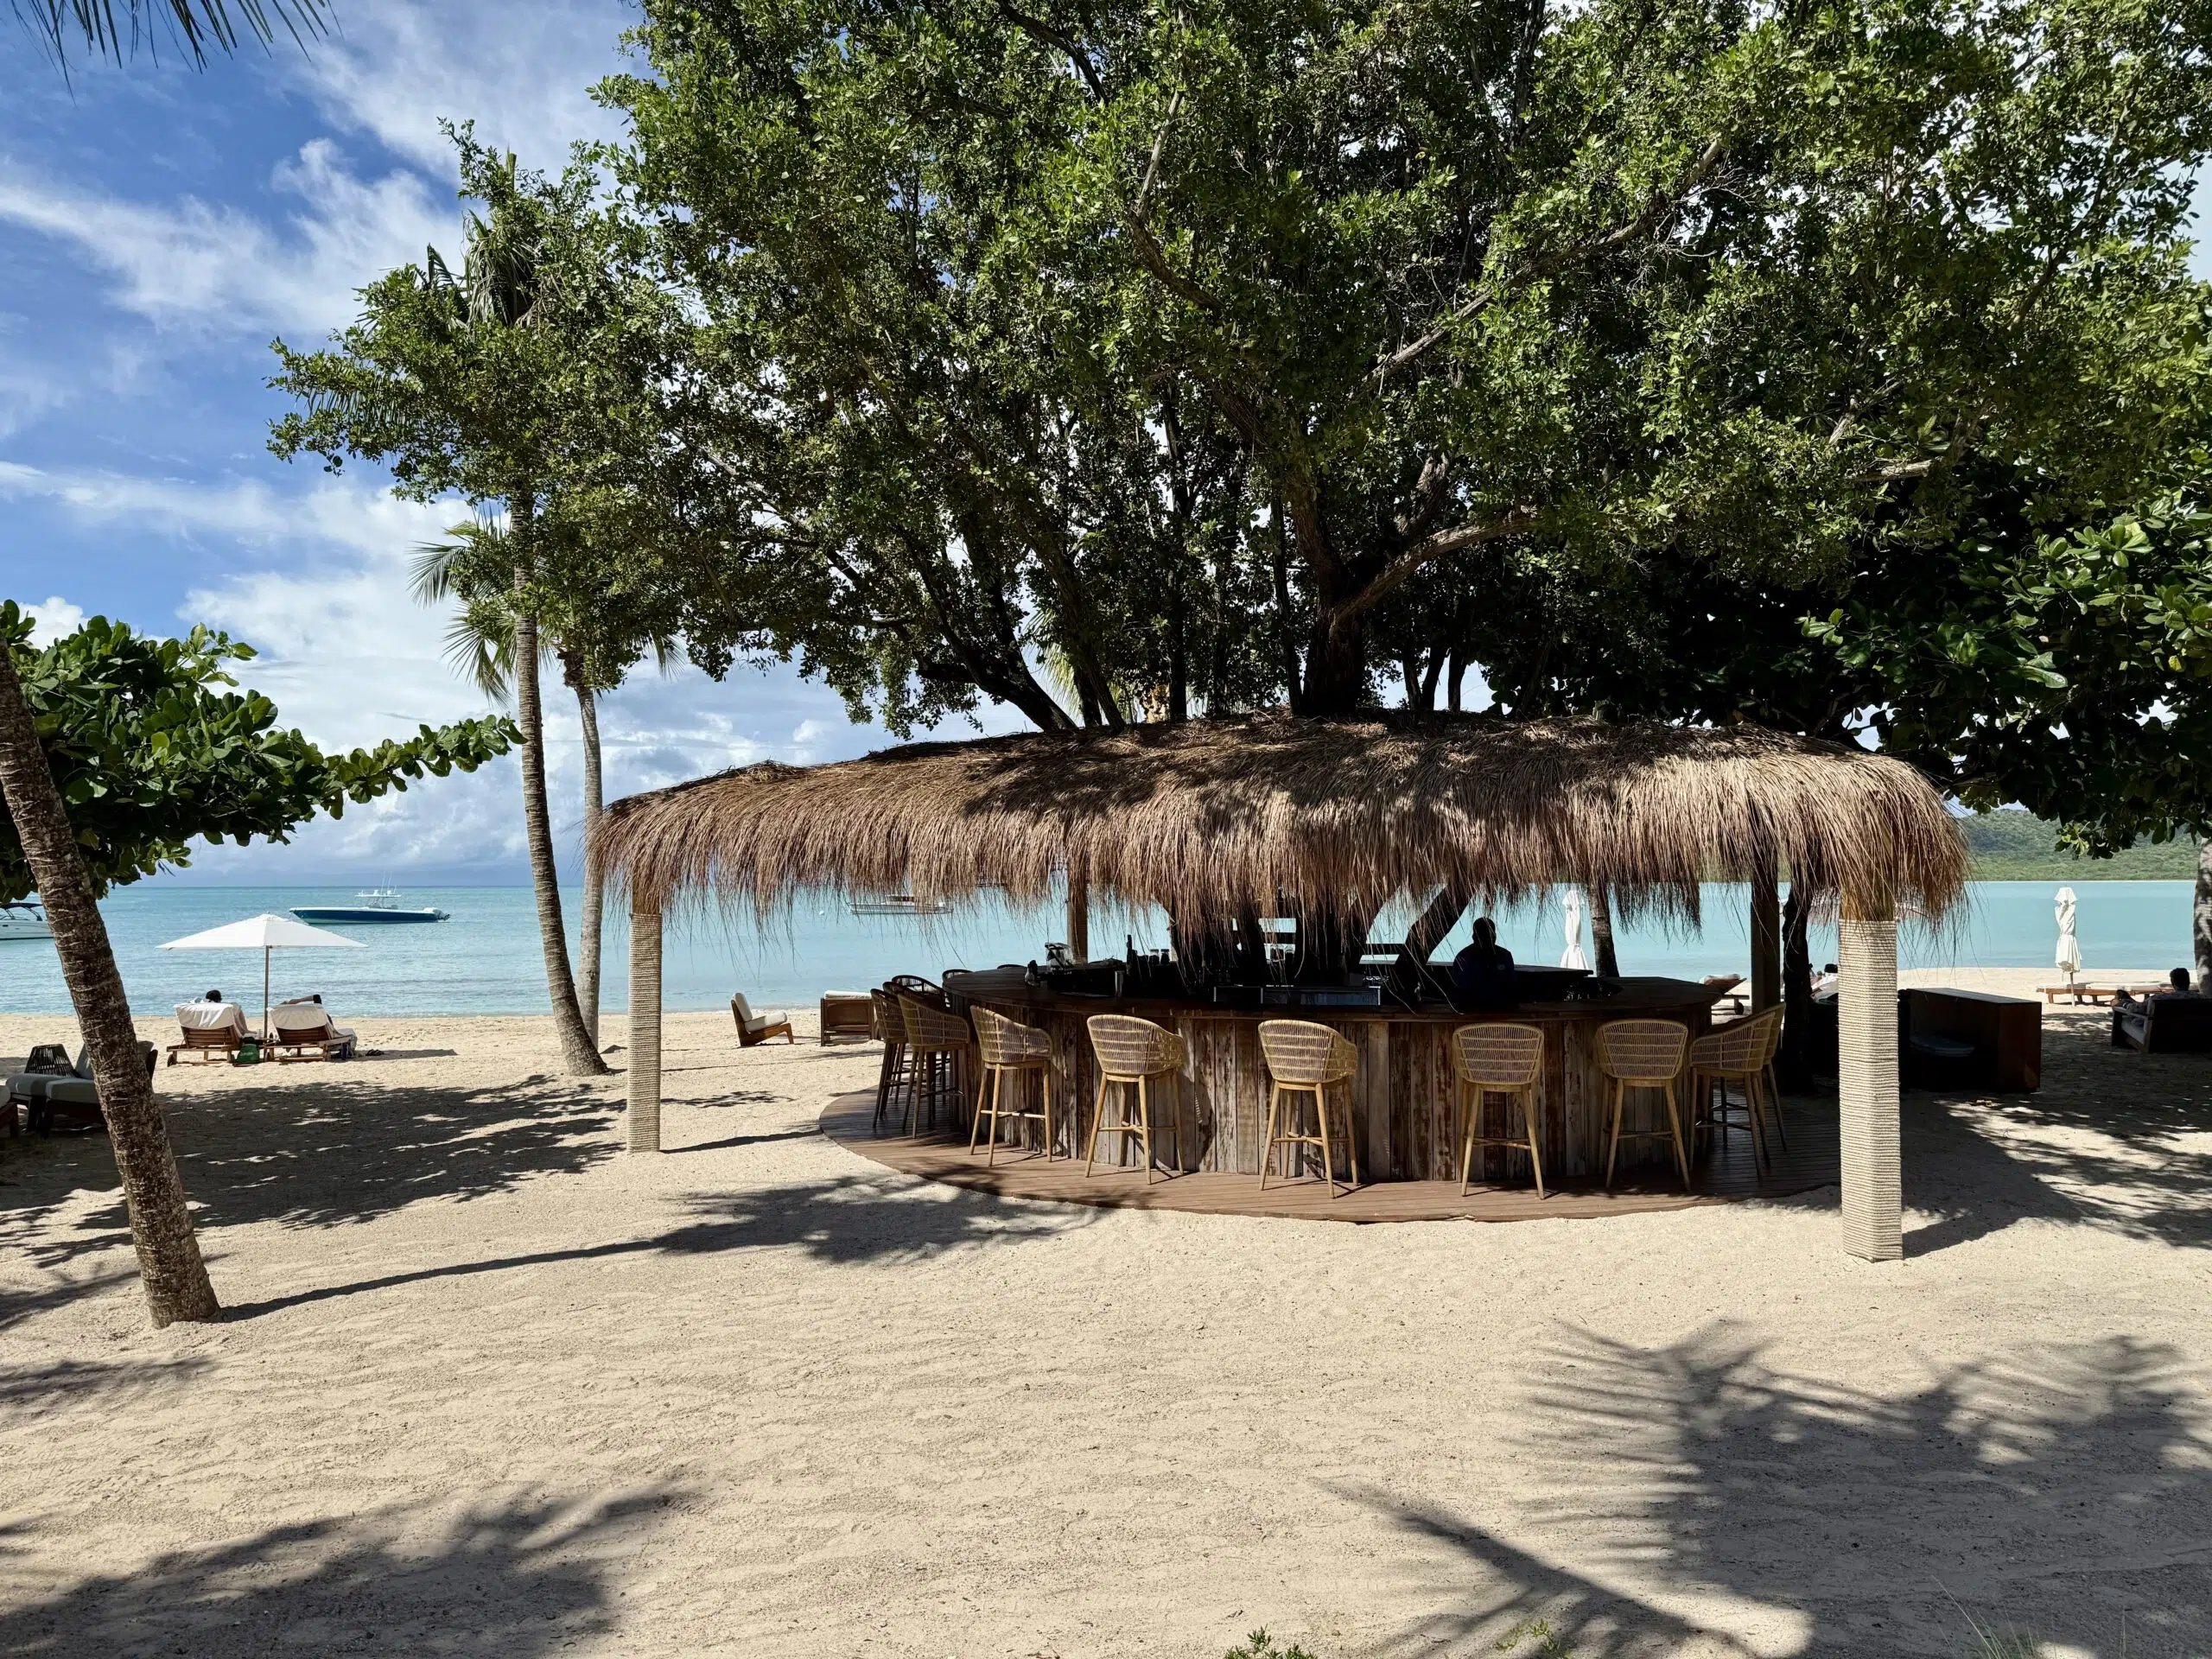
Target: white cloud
<point x="188" y="265"/>
<point x="55" y="618"/>
<point x="524" y="74"/>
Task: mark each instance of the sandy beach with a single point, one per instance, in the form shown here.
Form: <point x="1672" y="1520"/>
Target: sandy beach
<point x="491" y="1386"/>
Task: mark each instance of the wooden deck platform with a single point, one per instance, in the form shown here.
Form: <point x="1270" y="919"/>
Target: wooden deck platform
<point x="1721" y="1177"/>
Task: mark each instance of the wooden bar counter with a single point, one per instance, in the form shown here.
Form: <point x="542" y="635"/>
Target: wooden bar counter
<point x="1404" y="1095"/>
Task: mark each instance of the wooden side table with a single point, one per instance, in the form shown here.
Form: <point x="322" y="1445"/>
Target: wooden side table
<point x="847" y="1017"/>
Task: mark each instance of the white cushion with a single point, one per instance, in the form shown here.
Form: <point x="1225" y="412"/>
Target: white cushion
<point x="299" y="1016"/>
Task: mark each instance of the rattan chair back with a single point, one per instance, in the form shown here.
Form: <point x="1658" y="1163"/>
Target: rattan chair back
<point x="1499" y="1056"/>
<point x="1646" y="1052"/>
<point x="1307" y="1055"/>
<point x="1128" y="1047"/>
<point x="1008" y="1042"/>
<point x="1739" y="1048"/>
<point x="932" y="1028"/>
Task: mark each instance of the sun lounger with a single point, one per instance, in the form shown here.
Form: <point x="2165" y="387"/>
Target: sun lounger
<point x="302" y="1031"/>
<point x="2084" y="993"/>
<point x="754" y="1028"/>
<point x="210" y="1030"/>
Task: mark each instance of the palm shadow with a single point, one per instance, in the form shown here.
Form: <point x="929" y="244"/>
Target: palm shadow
<point x="845" y="1221"/>
<point x="2115" y="1139"/>
<point x="507" y="1579"/>
<point x="347" y="1151"/>
<point x="2060" y="1490"/>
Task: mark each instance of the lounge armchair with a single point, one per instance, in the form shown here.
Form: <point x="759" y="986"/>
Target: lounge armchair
<point x="303" y="1031"/>
<point x="210" y="1030"/>
<point x="2164" y="1025"/>
<point x="46" y="1093"/>
<point x="754" y="1028"/>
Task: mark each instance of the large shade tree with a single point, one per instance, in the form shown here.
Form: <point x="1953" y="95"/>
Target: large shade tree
<point x="118" y="752"/>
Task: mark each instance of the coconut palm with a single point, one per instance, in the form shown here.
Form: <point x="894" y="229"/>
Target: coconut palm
<point x="466" y="565"/>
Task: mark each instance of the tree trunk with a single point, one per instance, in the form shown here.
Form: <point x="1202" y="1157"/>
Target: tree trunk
<point x="1601" y="933"/>
<point x="2201" y="927"/>
<point x="595" y="884"/>
<point x="170" y="1263"/>
<point x="1429" y="927"/>
<point x="578" y="1051"/>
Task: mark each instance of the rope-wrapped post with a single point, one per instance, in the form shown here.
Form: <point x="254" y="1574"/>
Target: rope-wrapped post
<point x="1873" y="1192"/>
<point x="645" y="1027"/>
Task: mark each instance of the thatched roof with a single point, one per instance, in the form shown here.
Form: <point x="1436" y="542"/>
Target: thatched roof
<point x="1208" y="814"/>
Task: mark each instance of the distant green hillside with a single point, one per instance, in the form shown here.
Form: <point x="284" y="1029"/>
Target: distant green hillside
<point x="2013" y="846"/>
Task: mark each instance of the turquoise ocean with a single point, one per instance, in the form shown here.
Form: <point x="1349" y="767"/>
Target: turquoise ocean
<point x="487" y="958"/>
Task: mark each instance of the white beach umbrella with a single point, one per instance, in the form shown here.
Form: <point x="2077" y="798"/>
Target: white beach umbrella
<point x="2070" y="946"/>
<point x="1574" y="958"/>
<point x="265" y="933"/>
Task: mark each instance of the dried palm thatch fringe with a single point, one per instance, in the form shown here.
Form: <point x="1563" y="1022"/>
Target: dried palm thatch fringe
<point x="1205" y="816"/>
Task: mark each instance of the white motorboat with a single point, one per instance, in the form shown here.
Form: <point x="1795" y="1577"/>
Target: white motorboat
<point x="373" y="905"/>
<point x="901" y="904"/>
<point x="24" y="919"/>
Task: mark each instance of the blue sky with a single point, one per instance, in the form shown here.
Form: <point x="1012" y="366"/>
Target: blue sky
<point x="158" y="227"/>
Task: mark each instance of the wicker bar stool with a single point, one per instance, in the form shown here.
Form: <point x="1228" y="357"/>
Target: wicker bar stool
<point x="1740" y="1053"/>
<point x="1306" y="1058"/>
<point x="1010" y="1049"/>
<point x="895" y="1076"/>
<point x="1644" y="1054"/>
<point x="936" y="1040"/>
<point x="1498" y="1059"/>
<point x="1133" y="1054"/>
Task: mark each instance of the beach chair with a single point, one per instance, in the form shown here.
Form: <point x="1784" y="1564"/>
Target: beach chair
<point x="755" y="1029"/>
<point x="303" y="1031"/>
<point x="50" y="1093"/>
<point x="209" y="1030"/>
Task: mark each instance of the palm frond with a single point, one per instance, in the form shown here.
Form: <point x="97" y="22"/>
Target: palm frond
<point x="195" y="25"/>
<point x="481" y="647"/>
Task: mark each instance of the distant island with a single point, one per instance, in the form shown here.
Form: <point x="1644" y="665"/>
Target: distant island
<point x="2011" y="845"/>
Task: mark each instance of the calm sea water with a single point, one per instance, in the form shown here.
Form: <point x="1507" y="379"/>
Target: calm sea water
<point x="488" y="959"/>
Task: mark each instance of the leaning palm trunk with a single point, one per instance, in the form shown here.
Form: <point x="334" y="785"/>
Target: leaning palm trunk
<point x="2200" y="927"/>
<point x="1601" y="933"/>
<point x="170" y="1262"/>
<point x="578" y="1051"/>
<point x="595" y="883"/>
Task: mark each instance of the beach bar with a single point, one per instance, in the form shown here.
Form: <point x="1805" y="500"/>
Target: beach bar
<point x="1221" y="821"/>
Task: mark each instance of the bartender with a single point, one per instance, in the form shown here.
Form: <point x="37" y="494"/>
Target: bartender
<point x="1482" y="974"/>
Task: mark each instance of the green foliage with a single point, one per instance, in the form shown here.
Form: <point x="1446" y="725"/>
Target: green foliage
<point x="151" y="752"/>
<point x="1253" y="349"/>
<point x="1260" y="1645"/>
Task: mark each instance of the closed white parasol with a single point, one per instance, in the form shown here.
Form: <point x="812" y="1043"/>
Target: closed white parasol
<point x="2069" y="945"/>
<point x="1574" y="958"/>
<point x="265" y="933"/>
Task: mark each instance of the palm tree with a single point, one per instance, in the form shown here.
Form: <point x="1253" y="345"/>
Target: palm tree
<point x="195" y="25"/>
<point x="479" y="643"/>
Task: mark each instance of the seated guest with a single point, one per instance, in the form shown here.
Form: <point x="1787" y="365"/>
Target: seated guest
<point x="1825" y="980"/>
<point x="1483" y="973"/>
<point x="2131" y="1016"/>
<point x="211" y="1012"/>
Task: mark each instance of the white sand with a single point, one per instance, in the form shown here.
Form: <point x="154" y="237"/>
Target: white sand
<point x="493" y="1387"/>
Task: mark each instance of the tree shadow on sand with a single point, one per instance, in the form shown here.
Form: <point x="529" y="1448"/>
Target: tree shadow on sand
<point x="2066" y="1491"/>
<point x="850" y="1220"/>
<point x="2116" y="1140"/>
<point x="512" y="1580"/>
<point x="346" y="1152"/>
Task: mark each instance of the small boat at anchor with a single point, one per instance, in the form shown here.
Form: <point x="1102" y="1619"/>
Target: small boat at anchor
<point x="23" y="919"/>
<point x="901" y="904"/>
<point x="374" y="904"/>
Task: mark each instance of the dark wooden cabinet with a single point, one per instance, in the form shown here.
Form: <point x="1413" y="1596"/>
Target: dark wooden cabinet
<point x="1970" y="1039"/>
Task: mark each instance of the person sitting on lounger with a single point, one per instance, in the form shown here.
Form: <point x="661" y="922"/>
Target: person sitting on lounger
<point x="299" y="1019"/>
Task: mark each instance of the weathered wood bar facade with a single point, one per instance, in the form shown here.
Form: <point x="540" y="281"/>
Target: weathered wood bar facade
<point x="1405" y="1095"/>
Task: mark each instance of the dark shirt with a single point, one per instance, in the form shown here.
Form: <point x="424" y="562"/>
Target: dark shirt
<point x="1486" y="984"/>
